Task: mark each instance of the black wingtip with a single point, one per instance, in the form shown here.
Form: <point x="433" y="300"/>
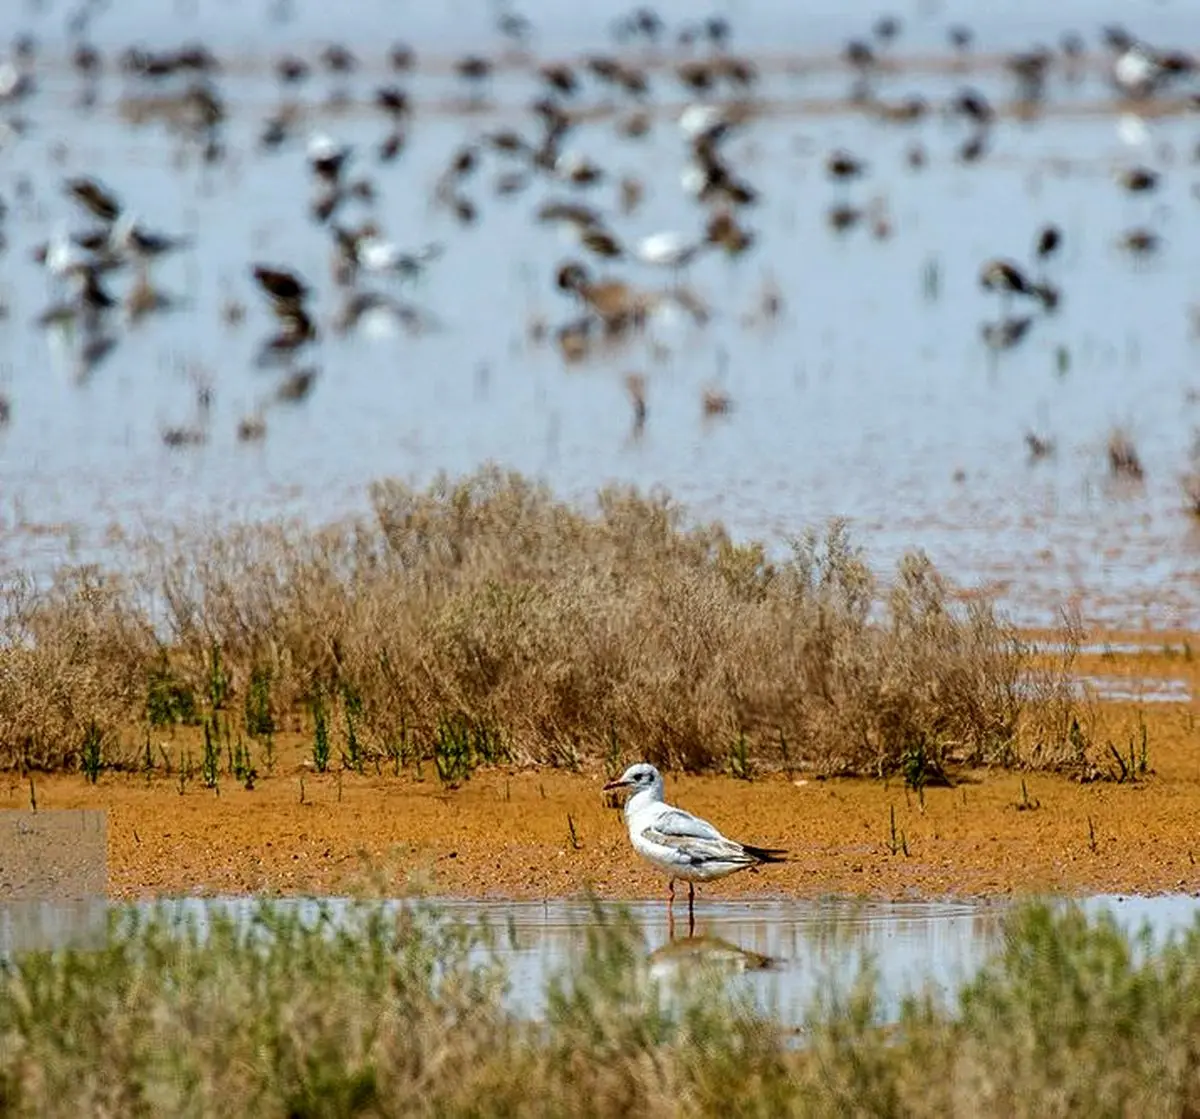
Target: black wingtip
<point x="766" y="854"/>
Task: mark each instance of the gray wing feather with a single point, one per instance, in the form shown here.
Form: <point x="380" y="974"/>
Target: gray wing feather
<point x="699" y="849"/>
<point x="676" y="822"/>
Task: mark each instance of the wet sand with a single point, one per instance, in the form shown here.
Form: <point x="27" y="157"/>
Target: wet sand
<point x="508" y="833"/>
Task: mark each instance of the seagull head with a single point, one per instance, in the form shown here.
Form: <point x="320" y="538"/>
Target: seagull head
<point x="640" y="778"/>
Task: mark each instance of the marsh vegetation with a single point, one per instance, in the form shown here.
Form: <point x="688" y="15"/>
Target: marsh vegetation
<point x="482" y="620"/>
<point x="403" y="1014"/>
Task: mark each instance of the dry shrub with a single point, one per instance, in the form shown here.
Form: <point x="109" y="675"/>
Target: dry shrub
<point x="70" y="656"/>
<point x="486" y="598"/>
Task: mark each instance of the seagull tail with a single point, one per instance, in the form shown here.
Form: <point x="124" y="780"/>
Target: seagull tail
<point x="766" y="854"/>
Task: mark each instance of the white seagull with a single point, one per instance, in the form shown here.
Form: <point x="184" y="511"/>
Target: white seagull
<point x="679" y="844"/>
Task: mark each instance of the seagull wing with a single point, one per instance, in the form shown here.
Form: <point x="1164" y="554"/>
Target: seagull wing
<point x="677" y="822"/>
<point x="698" y="850"/>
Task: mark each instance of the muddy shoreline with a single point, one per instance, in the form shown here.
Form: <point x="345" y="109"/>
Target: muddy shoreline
<point x="530" y="834"/>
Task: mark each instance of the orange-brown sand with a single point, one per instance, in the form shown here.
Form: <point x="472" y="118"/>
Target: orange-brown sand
<point x="509" y="833"/>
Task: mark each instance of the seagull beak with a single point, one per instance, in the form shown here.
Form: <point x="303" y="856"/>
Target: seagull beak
<point x="619" y="783"/>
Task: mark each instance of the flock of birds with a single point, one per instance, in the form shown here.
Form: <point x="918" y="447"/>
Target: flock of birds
<point x="606" y="304"/>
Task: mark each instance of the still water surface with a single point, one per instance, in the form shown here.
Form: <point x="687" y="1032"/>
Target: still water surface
<point x="781" y="953"/>
<point x="872" y="396"/>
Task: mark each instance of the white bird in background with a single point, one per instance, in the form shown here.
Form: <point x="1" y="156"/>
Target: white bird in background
<point x="63" y="256"/>
<point x="698" y="118"/>
<point x="377" y="255"/>
<point x="679" y="844"/>
<point x="326" y="157"/>
<point x="667" y="250"/>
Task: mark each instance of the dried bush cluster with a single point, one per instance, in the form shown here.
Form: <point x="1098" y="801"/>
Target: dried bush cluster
<point x="572" y="634"/>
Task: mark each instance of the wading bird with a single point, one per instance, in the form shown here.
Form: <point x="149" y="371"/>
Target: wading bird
<point x="679" y="844"/>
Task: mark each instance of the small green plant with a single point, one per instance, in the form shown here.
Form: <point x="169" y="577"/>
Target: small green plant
<point x="397" y="748"/>
<point x="739" y="759"/>
<point x="460" y="744"/>
<point x="218" y="681"/>
<point x="210" y="763"/>
<point x="185" y="770"/>
<point x="260" y="723"/>
<point x="913" y="766"/>
<point x="240" y="765"/>
<point x="452" y="755"/>
<point x="897" y="840"/>
<point x="168" y="699"/>
<point x="352" y="757"/>
<point x="320" y="746"/>
<point x="921" y="767"/>
<point x="91" y="752"/>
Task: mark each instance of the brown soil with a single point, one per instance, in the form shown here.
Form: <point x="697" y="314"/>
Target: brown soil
<point x="508" y="834"/>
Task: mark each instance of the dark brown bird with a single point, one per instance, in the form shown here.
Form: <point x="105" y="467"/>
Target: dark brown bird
<point x="1004" y="276"/>
<point x="560" y="77"/>
<point x="291" y="70"/>
<point x="859" y="55"/>
<point x="696" y="76"/>
<point x="86" y="60"/>
<point x="601" y="242"/>
<point x="392" y="100"/>
<point x="841" y="218"/>
<point x="338" y="59"/>
<point x="283" y="287"/>
<point x="1140" y="242"/>
<point x="960" y="37"/>
<point x="473" y="68"/>
<point x="972" y="104"/>
<point x="1138" y="180"/>
<point x="974" y="148"/>
<point x="401" y="58"/>
<point x="296" y="386"/>
<point x="392" y="145"/>
<point x="1007" y="333"/>
<point x="842" y="166"/>
<point x="94" y="197"/>
<point x="1049" y="241"/>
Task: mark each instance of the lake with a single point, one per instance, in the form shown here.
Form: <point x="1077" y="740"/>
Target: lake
<point x="871" y="396"/>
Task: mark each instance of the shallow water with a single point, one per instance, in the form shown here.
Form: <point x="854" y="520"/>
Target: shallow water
<point x="781" y="953"/>
<point x="871" y="397"/>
